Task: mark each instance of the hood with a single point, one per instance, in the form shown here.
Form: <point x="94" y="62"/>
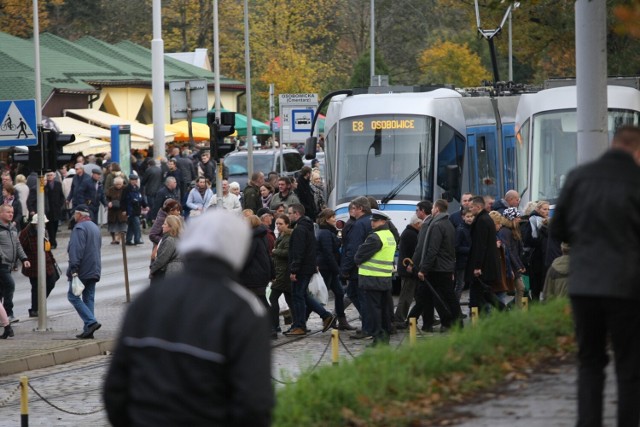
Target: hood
<point x="561" y="264"/>
<point x="218" y="233"/>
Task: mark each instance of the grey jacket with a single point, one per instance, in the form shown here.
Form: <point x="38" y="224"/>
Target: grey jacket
<point x="167" y="258"/>
<point x="439" y="254"/>
<point x="10" y="248"/>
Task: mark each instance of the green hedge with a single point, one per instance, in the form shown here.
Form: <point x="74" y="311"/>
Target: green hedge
<point x="385" y="386"/>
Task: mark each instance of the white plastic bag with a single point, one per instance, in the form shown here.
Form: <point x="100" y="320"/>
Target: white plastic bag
<point x="76" y="286"/>
<point x="318" y="289"/>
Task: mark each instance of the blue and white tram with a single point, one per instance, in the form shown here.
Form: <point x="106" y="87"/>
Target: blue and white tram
<point x="546" y="134"/>
<point x="399" y="148"/>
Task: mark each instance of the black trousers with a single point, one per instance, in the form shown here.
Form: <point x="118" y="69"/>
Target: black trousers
<point x="447" y="303"/>
<point x="596" y="319"/>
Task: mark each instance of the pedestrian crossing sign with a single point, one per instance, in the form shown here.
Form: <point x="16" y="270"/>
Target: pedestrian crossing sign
<point x="19" y="124"/>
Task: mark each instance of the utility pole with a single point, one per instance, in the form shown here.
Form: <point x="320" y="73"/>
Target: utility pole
<point x="157" y="82"/>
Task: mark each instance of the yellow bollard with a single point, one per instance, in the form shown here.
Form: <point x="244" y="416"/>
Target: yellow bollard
<point x="412" y="330"/>
<point x="474" y="315"/>
<point x="525" y="303"/>
<point x="335" y="340"/>
<point x="24" y="402"/>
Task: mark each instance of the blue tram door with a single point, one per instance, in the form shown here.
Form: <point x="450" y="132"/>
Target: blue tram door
<point x="509" y="156"/>
<point x="484" y="173"/>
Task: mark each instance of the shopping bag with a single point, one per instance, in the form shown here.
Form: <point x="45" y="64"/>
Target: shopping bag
<point x="318" y="289"/>
<point x="76" y="286"/>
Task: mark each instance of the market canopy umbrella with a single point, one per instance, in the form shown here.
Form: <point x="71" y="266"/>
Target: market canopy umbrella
<point x="181" y="130"/>
<point x="258" y="128"/>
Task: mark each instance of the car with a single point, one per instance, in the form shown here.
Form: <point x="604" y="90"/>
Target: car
<point x="264" y="161"/>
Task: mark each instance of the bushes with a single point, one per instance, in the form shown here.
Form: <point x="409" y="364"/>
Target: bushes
<point x="385" y="386"/>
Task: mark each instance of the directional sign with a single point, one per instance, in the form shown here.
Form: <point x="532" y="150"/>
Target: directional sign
<point x="19" y="124"/>
<point x="296" y="115"/>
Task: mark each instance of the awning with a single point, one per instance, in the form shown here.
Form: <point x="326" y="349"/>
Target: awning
<point x="106" y="120"/>
<point x="181" y="131"/>
<point x="92" y="139"/>
<point x="258" y="128"/>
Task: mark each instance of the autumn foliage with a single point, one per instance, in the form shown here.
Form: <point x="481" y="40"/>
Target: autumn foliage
<point x="453" y="63"/>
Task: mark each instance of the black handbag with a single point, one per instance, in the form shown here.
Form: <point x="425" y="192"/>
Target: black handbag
<point x="115" y="204"/>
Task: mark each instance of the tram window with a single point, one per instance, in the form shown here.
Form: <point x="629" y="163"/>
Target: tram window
<point x="450" y="159"/>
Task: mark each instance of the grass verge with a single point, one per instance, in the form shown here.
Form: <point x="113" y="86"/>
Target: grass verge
<point x="385" y="386"/>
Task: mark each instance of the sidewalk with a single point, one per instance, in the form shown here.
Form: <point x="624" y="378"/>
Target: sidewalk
<point x="31" y="349"/>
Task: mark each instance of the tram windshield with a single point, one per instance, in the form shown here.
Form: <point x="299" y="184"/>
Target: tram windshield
<point x="555" y="148"/>
<point x="385" y="156"/>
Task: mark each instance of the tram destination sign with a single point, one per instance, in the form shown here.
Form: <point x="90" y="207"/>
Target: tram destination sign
<point x="297" y="111"/>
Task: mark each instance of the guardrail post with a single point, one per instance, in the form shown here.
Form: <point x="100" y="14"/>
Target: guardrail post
<point x="24" y="402"/>
<point x="474" y="315"/>
<point x="335" y="340"/>
<point x="412" y="330"/>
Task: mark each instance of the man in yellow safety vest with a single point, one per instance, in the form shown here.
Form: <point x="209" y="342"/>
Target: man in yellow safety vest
<point x="375" y="269"/>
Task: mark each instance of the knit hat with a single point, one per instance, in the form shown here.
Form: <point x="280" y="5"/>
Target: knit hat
<point x="511" y="214"/>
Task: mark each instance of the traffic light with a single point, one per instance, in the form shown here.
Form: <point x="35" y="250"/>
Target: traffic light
<point x="219" y="131"/>
<point x="54" y="143"/>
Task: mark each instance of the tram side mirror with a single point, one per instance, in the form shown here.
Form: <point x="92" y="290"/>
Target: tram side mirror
<point x="377" y="143"/>
<point x="453" y="183"/>
<point x="310" y="147"/>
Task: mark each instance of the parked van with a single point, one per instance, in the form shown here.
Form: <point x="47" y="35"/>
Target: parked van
<point x="264" y="161"/>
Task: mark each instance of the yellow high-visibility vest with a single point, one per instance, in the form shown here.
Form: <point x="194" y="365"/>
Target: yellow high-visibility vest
<point x="381" y="263"/>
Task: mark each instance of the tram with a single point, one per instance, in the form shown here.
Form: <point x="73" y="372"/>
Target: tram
<point x="546" y="134"/>
<point x="403" y="146"/>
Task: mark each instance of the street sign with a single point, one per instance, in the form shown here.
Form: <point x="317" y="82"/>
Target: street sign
<point x="19" y="125"/>
<point x="182" y="96"/>
<point x="296" y="115"/>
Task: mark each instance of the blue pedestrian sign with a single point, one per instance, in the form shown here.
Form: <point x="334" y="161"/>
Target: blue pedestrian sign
<point x="19" y="125"/>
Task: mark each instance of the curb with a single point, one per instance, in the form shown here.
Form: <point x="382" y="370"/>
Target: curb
<point x="56" y="357"/>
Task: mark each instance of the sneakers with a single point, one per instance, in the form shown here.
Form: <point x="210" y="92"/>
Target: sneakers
<point x="295" y="332"/>
<point x="328" y="322"/>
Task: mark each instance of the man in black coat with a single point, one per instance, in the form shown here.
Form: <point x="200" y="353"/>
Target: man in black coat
<point x="302" y="265"/>
<point x="151" y="181"/>
<point x="212" y="367"/>
<point x="91" y="193"/>
<point x="483" y="265"/>
<point x="408" y="242"/>
<point x="53" y="206"/>
<point x="305" y="194"/>
<point x="598" y="214"/>
<point x="437" y="265"/>
<point x="169" y="190"/>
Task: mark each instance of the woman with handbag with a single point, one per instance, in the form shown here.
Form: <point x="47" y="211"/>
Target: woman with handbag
<point x="117" y="213"/>
<point x="29" y="241"/>
<point x="165" y="259"/>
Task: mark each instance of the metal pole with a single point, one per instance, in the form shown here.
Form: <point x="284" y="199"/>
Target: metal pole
<point x="510" y="48"/>
<point x="218" y="104"/>
<point x="123" y="238"/>
<point x="591" y="78"/>
<point x="373" y="41"/>
<point x="187" y="87"/>
<point x="247" y="69"/>
<point x="157" y="82"/>
<point x="24" y="401"/>
<point x="42" y="272"/>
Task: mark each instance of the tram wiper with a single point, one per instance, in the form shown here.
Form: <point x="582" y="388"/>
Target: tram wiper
<point x="394" y="192"/>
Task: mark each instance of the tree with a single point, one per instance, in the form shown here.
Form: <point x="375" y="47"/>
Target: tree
<point x="449" y="62"/>
<point x="16" y="17"/>
<point x="362" y="70"/>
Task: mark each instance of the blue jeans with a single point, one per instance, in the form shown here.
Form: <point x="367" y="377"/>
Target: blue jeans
<point x="84" y="306"/>
<point x="333" y="282"/>
<point x="133" y="230"/>
<point x="7" y="288"/>
<point x="301" y="299"/>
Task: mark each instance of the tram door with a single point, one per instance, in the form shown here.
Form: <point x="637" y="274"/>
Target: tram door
<point x="509" y="157"/>
<point x="484" y="174"/>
